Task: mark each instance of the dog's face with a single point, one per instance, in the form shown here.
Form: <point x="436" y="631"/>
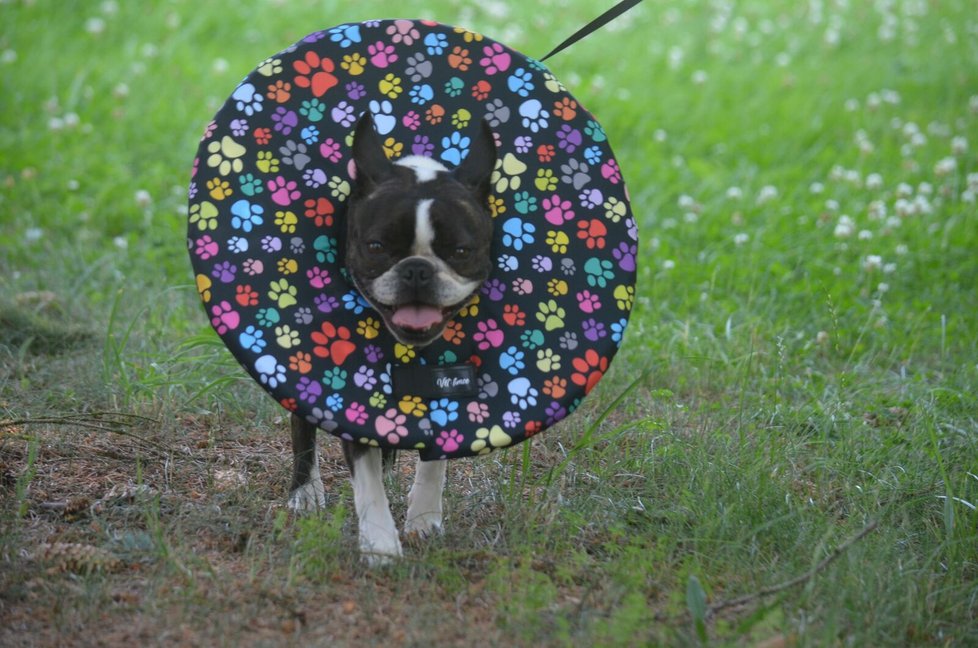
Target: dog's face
<point x="418" y="233"/>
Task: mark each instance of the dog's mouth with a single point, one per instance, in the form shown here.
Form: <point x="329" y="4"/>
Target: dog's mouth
<point x="414" y="323"/>
<point x="417" y="324"/>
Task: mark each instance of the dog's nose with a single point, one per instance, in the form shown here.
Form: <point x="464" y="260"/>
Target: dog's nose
<point x="416" y="273"/>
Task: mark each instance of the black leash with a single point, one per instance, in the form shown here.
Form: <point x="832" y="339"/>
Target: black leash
<point x="594" y="25"/>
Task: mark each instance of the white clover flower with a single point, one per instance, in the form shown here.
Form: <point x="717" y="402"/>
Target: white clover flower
<point x="72" y="184"/>
<point x="874" y="181"/>
<point x="864" y="235"/>
<point x="659" y="135"/>
<point x="853" y="177"/>
<point x="668" y="264"/>
<point x="891" y="97"/>
<point x="902" y="249"/>
<point x="873" y="101"/>
<point x="56" y="124"/>
<point x="904" y="207"/>
<point x="686" y="201"/>
<point x="110" y="7"/>
<point x="816" y="188"/>
<point x="945" y="166"/>
<point x="889" y="268"/>
<point x="925" y="188"/>
<point x="837" y="172"/>
<point x="922" y="205"/>
<point x="904" y="190"/>
<point x="690" y="217"/>
<point x="143" y="199"/>
<point x="832" y="205"/>
<point x="896" y="123"/>
<point x="972" y="180"/>
<point x="851" y="105"/>
<point x="821" y="337"/>
<point x="844" y="227"/>
<point x="675" y="57"/>
<point x="876" y="210"/>
<point x="8" y="56"/>
<point x="120" y="91"/>
<point x="699" y="77"/>
<point x="939" y="129"/>
<point x="959" y="145"/>
<point x="734" y="193"/>
<point x="910" y="129"/>
<point x="872" y="262"/>
<point x="883" y="287"/>
<point x="71" y="120"/>
<point x="918" y="140"/>
<point x="219" y="66"/>
<point x="95" y="26"/>
<point x="33" y="234"/>
<point x="740" y="238"/>
<point x="968" y="196"/>
<point x="782" y="59"/>
<point x="120" y="242"/>
<point x="766" y="194"/>
<point x="893" y="222"/>
<point x="973" y="104"/>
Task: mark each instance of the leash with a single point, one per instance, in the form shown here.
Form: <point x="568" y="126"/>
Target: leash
<point x="593" y="26"/>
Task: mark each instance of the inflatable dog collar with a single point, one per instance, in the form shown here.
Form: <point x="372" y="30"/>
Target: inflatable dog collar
<point x="266" y="227"/>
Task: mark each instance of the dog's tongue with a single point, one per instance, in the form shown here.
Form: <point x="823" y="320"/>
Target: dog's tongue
<point x="416" y="318"/>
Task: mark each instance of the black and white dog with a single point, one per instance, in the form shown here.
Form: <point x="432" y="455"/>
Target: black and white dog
<point x="417" y="247"/>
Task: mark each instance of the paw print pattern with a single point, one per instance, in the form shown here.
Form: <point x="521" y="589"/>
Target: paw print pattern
<point x="267" y="216"/>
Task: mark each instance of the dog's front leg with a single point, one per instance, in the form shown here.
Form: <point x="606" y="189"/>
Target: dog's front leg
<point x="306" y="493"/>
<point x="379" y="542"/>
<point x="424" y="500"/>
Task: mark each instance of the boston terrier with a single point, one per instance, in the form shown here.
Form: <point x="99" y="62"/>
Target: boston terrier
<point x="417" y="249"/>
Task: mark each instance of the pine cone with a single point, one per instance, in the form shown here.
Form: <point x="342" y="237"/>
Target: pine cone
<point x="76" y="558"/>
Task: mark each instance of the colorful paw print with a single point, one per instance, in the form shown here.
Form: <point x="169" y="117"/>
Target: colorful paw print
<point x="315" y="73"/>
<point x="412" y="405"/>
<point x="333" y="343"/>
<point x="282" y="293"/>
<point x="551" y="315"/>
<point x="391" y="426"/>
<point x="449" y="441"/>
<point x="489" y="439"/>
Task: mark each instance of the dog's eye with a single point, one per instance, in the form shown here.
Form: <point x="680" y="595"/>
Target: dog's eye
<point x="461" y="252"/>
<point x="375" y="247"/>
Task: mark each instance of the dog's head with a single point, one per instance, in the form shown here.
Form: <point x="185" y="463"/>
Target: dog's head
<point x="418" y="233"/>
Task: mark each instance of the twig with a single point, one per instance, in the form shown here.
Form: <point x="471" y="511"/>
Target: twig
<point x="95" y="421"/>
<point x="797" y="580"/>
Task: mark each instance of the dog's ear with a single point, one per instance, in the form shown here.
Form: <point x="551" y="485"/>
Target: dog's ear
<point x="373" y="167"/>
<point x="476" y="169"/>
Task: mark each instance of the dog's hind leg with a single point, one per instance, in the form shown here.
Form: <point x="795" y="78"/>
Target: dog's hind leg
<point x="424" y="499"/>
<point x="379" y="541"/>
<point x="306" y="493"/>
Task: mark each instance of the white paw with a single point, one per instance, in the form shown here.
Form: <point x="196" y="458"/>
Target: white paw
<point x="380" y="550"/>
<point x="423" y="525"/>
<point x="308" y="498"/>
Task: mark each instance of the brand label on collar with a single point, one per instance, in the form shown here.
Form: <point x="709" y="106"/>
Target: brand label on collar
<point x="429" y="381"/>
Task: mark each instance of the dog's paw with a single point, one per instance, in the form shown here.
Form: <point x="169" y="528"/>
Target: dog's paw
<point x="308" y="498"/>
<point x="422" y="525"/>
<point x="380" y="551"/>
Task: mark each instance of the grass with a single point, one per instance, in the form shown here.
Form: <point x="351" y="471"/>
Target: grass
<point x="803" y="377"/>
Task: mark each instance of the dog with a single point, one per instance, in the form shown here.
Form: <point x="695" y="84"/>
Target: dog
<point x="417" y="249"/>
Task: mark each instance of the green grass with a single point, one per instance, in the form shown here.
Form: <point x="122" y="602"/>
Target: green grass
<point x="797" y="387"/>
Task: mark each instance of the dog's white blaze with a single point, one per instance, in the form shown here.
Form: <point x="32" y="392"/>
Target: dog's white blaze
<point x="424" y="512"/>
<point x="425" y="169"/>
<point x="379" y="541"/>
<point x="424" y="232"/>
